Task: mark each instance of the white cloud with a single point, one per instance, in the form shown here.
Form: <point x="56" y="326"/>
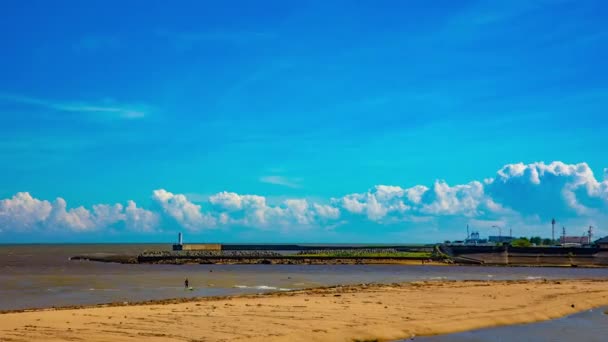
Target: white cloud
<point x="415" y="193"/>
<point x="186" y="213"/>
<point x="560" y="188"/>
<point x="299" y="209"/>
<point x="518" y="189"/>
<point x="233" y="201"/>
<point x="254" y="211"/>
<point x="107" y="215"/>
<point x="23" y="212"/>
<point x="326" y="211"/>
<point x="140" y="219"/>
<point x="375" y="210"/>
<point x="377" y="203"/>
<point x="281" y="180"/>
<point x="388" y="192"/>
<point x="76" y="219"/>
<point x="463" y="199"/>
<point x="526" y="195"/>
<point x="353" y="203"/>
<point x="104" y="109"/>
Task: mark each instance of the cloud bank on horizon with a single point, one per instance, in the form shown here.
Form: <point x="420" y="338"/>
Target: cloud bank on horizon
<point x="523" y="197"/>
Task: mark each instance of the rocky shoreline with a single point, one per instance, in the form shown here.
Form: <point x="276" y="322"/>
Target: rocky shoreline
<point x="262" y="257"/>
<point x="482" y="256"/>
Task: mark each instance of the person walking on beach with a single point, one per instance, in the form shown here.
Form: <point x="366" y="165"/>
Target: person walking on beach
<point x="186" y="283"/>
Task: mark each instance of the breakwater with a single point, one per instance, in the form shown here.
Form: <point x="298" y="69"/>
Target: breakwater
<point x="252" y="256"/>
<point x="336" y="255"/>
<point x="528" y="256"/>
<point x="319" y="247"/>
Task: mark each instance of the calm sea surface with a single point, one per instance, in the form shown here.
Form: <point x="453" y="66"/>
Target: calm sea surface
<point x="33" y="276"/>
<point x="588" y="326"/>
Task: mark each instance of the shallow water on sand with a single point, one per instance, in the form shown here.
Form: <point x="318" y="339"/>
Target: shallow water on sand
<point x="33" y="276"/>
<point x="588" y="326"/>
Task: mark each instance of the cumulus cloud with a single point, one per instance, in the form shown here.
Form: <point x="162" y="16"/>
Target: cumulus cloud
<point x="326" y="211"/>
<point x="524" y="194"/>
<point x="377" y="203"/>
<point x="567" y="189"/>
<point x="23" y="213"/>
<point x="186" y="213"/>
<point x="233" y="201"/>
<point x="254" y="210"/>
<point x="415" y="193"/>
<point x="465" y="199"/>
<point x="76" y="219"/>
<point x="517" y="189"/>
<point x="140" y="219"/>
<point x="108" y="215"/>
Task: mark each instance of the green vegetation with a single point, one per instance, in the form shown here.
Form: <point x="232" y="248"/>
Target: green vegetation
<point x="537" y="240"/>
<point x="533" y="240"/>
<point x="547" y="242"/>
<point x="356" y="254"/>
<point x="521" y="242"/>
<point x="438" y="254"/>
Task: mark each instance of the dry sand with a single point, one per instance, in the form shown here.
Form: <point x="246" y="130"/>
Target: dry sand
<point x="347" y="313"/>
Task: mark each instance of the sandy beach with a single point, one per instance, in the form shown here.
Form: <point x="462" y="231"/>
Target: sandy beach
<point x="343" y="313"/>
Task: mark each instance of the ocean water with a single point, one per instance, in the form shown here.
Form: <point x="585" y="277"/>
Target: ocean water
<point x="587" y="326"/>
<point x="34" y="276"/>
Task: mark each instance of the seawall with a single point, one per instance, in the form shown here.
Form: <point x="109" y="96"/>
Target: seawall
<point x="530" y="256"/>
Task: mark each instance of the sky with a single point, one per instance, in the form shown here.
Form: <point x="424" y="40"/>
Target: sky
<point x="307" y="121"/>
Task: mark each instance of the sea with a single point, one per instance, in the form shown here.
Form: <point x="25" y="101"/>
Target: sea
<point x="587" y="326"/>
<point x="36" y="276"/>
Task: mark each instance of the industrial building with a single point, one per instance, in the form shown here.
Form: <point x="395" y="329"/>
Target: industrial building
<point x="574" y="241"/>
<point x="602" y="243"/>
<point x="474" y="239"/>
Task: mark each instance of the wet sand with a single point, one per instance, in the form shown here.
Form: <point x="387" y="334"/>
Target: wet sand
<point x="343" y="313"/>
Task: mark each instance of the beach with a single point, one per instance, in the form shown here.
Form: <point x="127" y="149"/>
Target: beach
<point x="340" y="313"/>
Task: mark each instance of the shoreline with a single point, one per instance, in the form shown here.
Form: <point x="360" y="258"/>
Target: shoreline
<point x="350" y="288"/>
<point x="338" y="313"/>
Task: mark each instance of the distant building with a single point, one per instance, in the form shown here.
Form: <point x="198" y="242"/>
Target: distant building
<point x="501" y="239"/>
<point x="198" y="247"/>
<point x="181" y="246"/>
<point x="475" y="240"/>
<point x="574" y="240"/>
<point x="603" y="242"/>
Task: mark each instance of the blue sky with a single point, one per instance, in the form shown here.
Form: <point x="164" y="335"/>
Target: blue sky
<point x="301" y="104"/>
